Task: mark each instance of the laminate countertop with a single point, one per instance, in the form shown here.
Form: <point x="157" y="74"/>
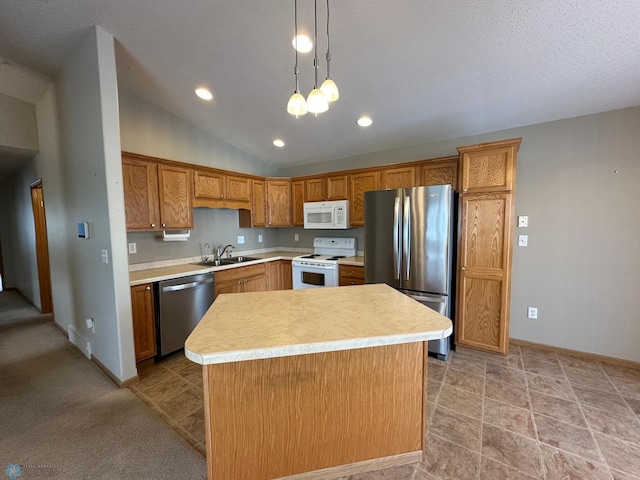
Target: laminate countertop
<point x="148" y="275"/>
<point x="257" y="325"/>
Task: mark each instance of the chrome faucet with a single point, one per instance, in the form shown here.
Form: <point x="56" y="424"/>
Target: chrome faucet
<point x="220" y="251"/>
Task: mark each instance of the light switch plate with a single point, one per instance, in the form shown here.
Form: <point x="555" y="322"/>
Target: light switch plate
<point x="104" y="255"/>
<point x="240" y="239"/>
<point x="532" y="313"/>
<point x="259" y="238"/>
<point x="523" y="221"/>
<point x="133" y="248"/>
<point x="523" y="240"/>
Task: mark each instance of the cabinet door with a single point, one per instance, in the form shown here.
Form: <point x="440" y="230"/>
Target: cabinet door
<point x="176" y="210"/>
<point x="358" y="184"/>
<point x="208" y="185"/>
<point x="274" y="275"/>
<point x="297" y="194"/>
<point x="140" y="184"/>
<point x="238" y="189"/>
<point x="336" y="187"/>
<point x="403" y="177"/>
<point x="229" y="286"/>
<point x="144" y="326"/>
<point x="484" y="272"/>
<point x="488" y="167"/>
<point x="439" y="173"/>
<point x="255" y="284"/>
<point x="258" y="204"/>
<point x="278" y="202"/>
<point x="287" y="275"/>
<point x="314" y="189"/>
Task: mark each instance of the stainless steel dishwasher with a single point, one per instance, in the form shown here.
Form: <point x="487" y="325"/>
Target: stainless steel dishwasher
<point x="182" y="302"/>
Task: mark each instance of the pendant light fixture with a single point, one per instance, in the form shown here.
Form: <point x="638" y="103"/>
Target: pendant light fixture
<point x="319" y="98"/>
<point x="316" y="101"/>
<point x="297" y="104"/>
<point x="329" y="87"/>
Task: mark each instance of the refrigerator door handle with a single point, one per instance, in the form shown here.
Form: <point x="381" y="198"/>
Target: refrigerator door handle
<point x="406" y="237"/>
<point x="396" y="238"/>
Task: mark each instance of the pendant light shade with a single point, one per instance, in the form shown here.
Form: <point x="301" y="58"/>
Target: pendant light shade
<point x="317" y="101"/>
<point x="297" y="104"/>
<point x="330" y="89"/>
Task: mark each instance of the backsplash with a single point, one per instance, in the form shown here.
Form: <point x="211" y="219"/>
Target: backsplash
<point x="219" y="227"/>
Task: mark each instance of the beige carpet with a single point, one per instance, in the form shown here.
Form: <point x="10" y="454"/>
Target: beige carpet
<point x="61" y="417"/>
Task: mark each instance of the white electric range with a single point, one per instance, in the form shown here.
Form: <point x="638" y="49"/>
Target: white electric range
<point x="320" y="269"/>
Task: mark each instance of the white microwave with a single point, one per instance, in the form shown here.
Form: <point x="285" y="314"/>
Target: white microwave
<point x="332" y="215"/>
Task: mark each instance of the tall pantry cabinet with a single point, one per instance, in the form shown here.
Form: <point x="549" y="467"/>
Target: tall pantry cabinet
<point x="486" y="211"/>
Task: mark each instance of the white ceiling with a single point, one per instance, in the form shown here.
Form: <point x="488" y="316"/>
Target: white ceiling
<point x="423" y="70"/>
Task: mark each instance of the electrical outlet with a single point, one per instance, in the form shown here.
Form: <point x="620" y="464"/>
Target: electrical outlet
<point x="296" y="237"/>
<point x="532" y="312"/>
<point x="133" y="248"/>
<point x="259" y="238"/>
<point x="523" y="240"/>
<point x="240" y="239"/>
<point x="104" y="255"/>
<point x="523" y="221"/>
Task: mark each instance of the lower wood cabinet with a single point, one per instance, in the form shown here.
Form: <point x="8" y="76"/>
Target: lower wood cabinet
<point x="279" y="275"/>
<point x="484" y="272"/>
<point x="350" y="275"/>
<point x="252" y="278"/>
<point x="144" y="326"/>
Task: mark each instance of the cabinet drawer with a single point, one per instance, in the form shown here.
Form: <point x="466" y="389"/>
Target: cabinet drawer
<point x="237" y="273"/>
<point x="351" y="275"/>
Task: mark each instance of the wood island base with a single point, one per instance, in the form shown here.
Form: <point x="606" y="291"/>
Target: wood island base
<point x="318" y="415"/>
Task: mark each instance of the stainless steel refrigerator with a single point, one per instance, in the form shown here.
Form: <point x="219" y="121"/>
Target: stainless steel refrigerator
<point x="409" y="245"/>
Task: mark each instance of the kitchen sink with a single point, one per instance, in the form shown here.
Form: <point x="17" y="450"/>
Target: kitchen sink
<point x="226" y="261"/>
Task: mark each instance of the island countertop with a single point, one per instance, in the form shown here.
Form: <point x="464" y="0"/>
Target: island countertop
<point x="260" y="325"/>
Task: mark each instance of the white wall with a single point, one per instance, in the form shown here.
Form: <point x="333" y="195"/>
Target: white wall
<point x="577" y="180"/>
<point x="87" y="95"/>
<point x="18" y="125"/>
<point x="148" y="129"/>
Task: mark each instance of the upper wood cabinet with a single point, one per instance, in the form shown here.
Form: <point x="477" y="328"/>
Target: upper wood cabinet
<point x="440" y="172"/>
<point x="217" y="190"/>
<point x="257" y="215"/>
<point x="326" y="187"/>
<point x="402" y="177"/>
<point x="278" y="202"/>
<point x="358" y="184"/>
<point x="141" y="204"/>
<point x="144" y="326"/>
<point x="157" y="196"/>
<point x="336" y="187"/>
<point x="297" y="198"/>
<point x="176" y="209"/>
<point x="488" y="167"/>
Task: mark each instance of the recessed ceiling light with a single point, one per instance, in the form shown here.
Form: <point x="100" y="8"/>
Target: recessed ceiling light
<point x="364" y="121"/>
<point x="302" y="43"/>
<point x="278" y="143"/>
<point x="204" y="93"/>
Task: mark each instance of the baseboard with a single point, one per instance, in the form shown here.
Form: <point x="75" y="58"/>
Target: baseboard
<point x="577" y="353"/>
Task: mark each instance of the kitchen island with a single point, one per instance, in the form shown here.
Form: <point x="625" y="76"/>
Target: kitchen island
<point x="314" y="383"/>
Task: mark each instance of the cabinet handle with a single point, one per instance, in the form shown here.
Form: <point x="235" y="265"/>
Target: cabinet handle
<point x="246" y="281"/>
<point x="221" y="196"/>
<point x="463" y="269"/>
<point x="148" y="288"/>
<point x="164" y="225"/>
<point x="153" y="225"/>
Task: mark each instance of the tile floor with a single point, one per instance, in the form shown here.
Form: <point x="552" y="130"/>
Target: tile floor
<point x="532" y="415"/>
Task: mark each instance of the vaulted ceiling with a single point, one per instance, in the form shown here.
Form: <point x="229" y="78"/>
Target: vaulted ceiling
<point x="423" y="70"/>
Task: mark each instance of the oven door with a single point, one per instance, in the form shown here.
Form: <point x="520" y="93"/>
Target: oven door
<point x="313" y="276"/>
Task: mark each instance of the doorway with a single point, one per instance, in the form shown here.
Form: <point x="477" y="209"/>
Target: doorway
<point x="42" y="246"/>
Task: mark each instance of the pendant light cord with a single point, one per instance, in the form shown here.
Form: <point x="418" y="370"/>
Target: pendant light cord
<point x="295" y="21"/>
<point x="328" y="43"/>
<point x="315" y="60"/>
